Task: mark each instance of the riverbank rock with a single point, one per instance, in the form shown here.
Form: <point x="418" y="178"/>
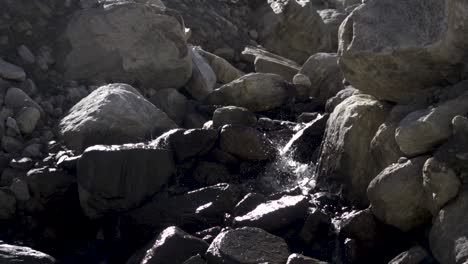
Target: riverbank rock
<point x="19" y="254"/>
<point x="148" y="48"/>
<point x="345" y="159"/>
<point x="247" y="245"/>
<point x="112" y="114"/>
<point x="105" y="188"/>
<point x="397" y="183"/>
<point x="386" y="53"/>
<point x="255" y="91"/>
<point x="171" y="246"/>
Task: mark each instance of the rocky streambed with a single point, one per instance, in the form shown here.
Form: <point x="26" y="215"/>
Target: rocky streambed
<point x="233" y="131"/>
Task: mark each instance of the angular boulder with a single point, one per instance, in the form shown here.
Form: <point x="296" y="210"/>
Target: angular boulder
<point x="141" y="171"/>
<point x="26" y="255"/>
<point x="345" y="159"/>
<point x="394" y="50"/>
<point x="171" y="246"/>
<point x="203" y="78"/>
<point x="256" y="92"/>
<point x="397" y="196"/>
<point x="247" y="245"/>
<point x="276" y="214"/>
<point x="112" y="114"/>
<point x="127" y="42"/>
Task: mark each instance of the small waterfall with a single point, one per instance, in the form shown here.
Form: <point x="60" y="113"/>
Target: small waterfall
<point x="285" y="173"/>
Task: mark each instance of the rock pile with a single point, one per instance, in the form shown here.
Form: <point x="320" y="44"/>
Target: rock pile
<point x="235" y="131"/>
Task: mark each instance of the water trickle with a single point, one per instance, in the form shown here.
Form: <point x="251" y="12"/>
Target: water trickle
<point x="285" y="173"/>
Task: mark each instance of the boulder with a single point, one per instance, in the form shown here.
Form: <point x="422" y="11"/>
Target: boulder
<point x="292" y="29"/>
<point x="421" y="131"/>
<point x="172" y="102"/>
<point x="247" y="245"/>
<point x="301" y="259"/>
<point x="16" y="100"/>
<point x="316" y="225"/>
<point x="26" y="255"/>
<point x="384" y="147"/>
<point x="203" y="78"/>
<point x="104" y="187"/>
<point x="255" y="91"/>
<point x="276" y="214"/>
<point x="27" y="119"/>
<point x="233" y="115"/>
<point x="395" y="49"/>
<point x="195" y="210"/>
<point x="188" y="144"/>
<point x="225" y="72"/>
<point x="148" y="48"/>
<point x="448" y="234"/>
<point x="112" y="114"/>
<point x="397" y="196"/>
<point x="171" y="246"/>
<point x="46" y="183"/>
<point x="345" y="160"/>
<point x="325" y="76"/>
<point x="340" y="97"/>
<point x="249" y="203"/>
<point x="246" y="143"/>
<point x="414" y="255"/>
<point x="11" y="72"/>
<point x="440" y="183"/>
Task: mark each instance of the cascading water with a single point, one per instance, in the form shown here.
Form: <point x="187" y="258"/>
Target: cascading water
<point x="286" y="172"/>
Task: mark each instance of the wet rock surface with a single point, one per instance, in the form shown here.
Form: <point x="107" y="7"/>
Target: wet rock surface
<point x="233" y="131"/>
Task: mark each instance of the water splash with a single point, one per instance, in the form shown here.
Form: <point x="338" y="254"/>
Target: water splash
<point x="285" y="172"/>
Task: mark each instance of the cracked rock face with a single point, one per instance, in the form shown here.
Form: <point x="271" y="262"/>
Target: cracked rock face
<point x="395" y="49"/>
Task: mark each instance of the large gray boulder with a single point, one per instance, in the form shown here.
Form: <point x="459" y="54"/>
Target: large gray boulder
<point x="345" y="160"/>
<point x="203" y="79"/>
<point x="247" y="245"/>
<point x="448" y="234"/>
<point x="225" y="72"/>
<point x="256" y="92"/>
<point x="126" y="42"/>
<point x="397" y="195"/>
<point x="17" y="254"/>
<point x="112" y="114"/>
<point x="395" y="49"/>
<point x="172" y="102"/>
<point x="106" y="188"/>
<point x="292" y="29"/>
<point x="326" y="78"/>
